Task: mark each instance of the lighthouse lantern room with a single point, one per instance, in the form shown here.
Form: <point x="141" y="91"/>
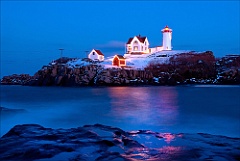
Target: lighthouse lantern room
<point x="167" y="38"/>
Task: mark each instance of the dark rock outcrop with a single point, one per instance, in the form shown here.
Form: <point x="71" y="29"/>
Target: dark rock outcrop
<point x="228" y="69"/>
<point x="16" y="79"/>
<point x="100" y="142"/>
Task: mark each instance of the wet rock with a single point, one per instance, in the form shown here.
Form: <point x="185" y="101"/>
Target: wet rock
<point x="100" y="142"/>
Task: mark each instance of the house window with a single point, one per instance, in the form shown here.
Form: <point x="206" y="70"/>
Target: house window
<point x="135" y="48"/>
<point x="142" y="48"/>
<point x="122" y="62"/>
<point x="135" y="42"/>
<point x="93" y="53"/>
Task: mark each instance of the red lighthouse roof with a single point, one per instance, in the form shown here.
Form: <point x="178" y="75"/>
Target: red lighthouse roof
<point x="166" y="29"/>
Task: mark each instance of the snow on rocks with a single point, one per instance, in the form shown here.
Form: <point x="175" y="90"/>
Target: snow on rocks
<point x="77" y="63"/>
<point x="133" y="61"/>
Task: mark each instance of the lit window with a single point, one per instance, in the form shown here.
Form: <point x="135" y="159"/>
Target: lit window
<point x="135" y="48"/>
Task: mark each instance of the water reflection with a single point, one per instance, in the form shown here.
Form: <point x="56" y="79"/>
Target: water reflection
<point x="146" y="106"/>
<point x="155" y="146"/>
<point x="165" y="153"/>
<point x="162" y="109"/>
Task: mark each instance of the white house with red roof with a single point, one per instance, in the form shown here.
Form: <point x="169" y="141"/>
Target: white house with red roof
<point x="137" y="45"/>
<point x="140" y="45"/>
<point x="96" y="55"/>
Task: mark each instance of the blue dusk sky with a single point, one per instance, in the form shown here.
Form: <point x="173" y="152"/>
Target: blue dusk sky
<point x="33" y="31"/>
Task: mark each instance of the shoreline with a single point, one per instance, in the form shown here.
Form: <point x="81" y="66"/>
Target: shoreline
<point x="133" y="85"/>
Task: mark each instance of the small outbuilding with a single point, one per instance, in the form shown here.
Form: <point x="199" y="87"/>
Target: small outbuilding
<point x="119" y="60"/>
<point x="96" y="55"/>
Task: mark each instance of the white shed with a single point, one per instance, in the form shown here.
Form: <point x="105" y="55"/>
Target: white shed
<point x="96" y="55"/>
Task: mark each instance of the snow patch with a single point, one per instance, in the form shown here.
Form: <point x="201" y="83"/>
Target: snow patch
<point x="133" y="61"/>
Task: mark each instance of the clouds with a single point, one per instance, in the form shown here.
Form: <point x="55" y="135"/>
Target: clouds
<point x="111" y="47"/>
<point x="112" y="44"/>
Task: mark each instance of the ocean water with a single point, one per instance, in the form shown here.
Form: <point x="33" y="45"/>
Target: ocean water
<point x="182" y="109"/>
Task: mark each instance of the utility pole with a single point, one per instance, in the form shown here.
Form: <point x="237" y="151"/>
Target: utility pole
<point x="61" y="52"/>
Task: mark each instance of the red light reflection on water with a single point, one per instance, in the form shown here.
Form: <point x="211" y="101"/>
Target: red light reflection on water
<point x="170" y="149"/>
<point x="157" y="154"/>
<point x="149" y="106"/>
<point x="168" y="137"/>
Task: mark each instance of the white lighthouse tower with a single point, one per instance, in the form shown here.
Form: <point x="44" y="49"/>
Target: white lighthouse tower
<point x="167" y="38"/>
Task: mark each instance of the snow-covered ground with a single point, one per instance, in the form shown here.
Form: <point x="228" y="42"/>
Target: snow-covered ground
<point x="77" y="63"/>
<point x="133" y="61"/>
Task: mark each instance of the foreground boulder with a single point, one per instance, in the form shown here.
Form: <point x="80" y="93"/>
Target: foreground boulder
<point x="100" y="142"/>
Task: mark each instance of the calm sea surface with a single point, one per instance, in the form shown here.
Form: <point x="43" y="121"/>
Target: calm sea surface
<point x="191" y="109"/>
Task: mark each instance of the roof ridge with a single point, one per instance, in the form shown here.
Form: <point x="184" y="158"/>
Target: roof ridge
<point x="99" y="52"/>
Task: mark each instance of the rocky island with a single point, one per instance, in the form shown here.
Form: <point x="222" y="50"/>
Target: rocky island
<point x="183" y="68"/>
